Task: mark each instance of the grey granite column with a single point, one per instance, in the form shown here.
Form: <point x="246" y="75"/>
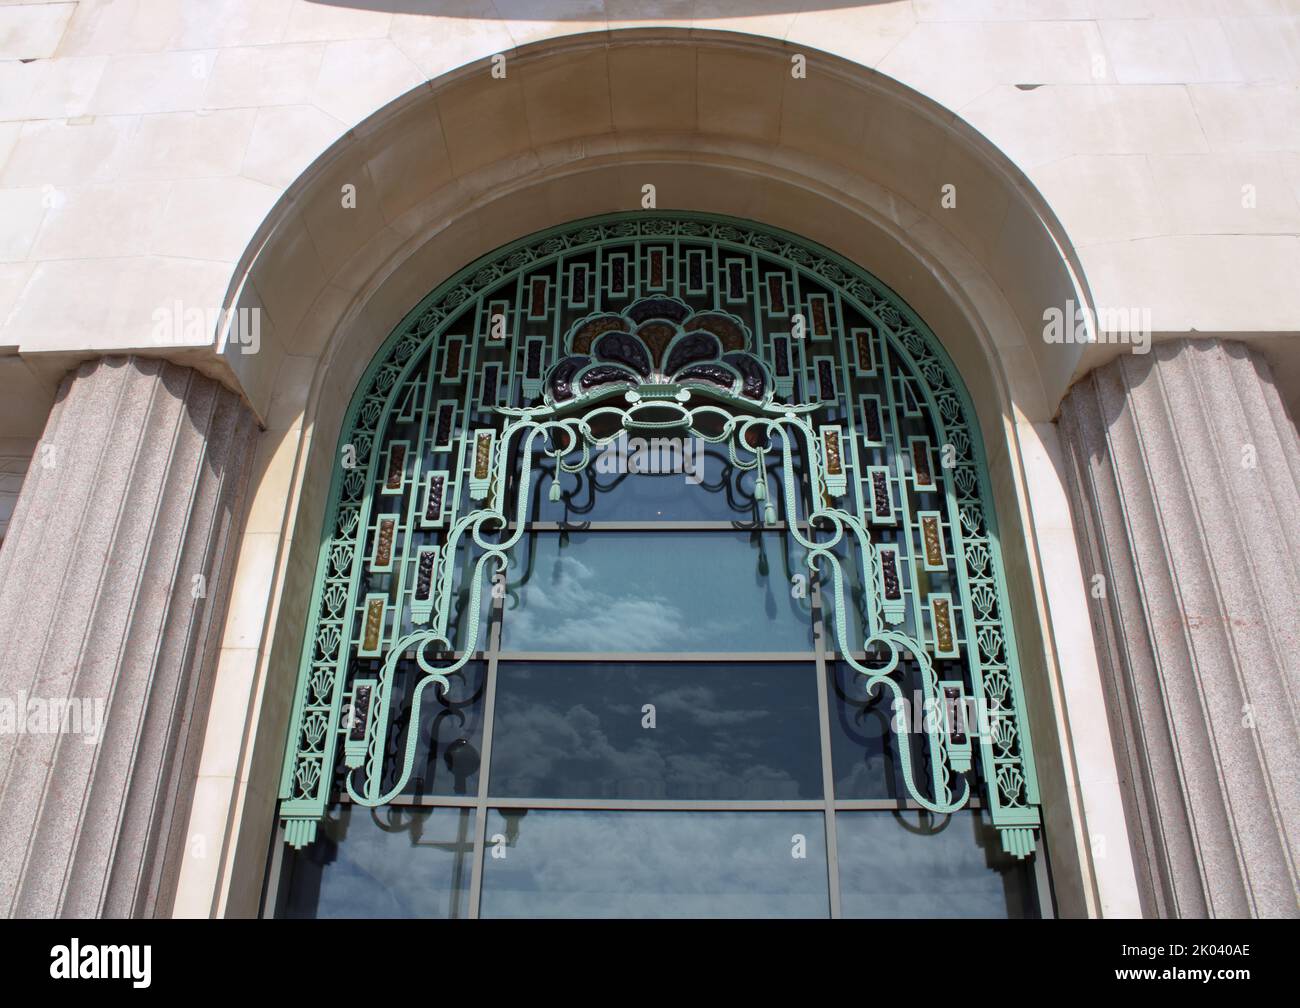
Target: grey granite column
<point x="113" y="578"/>
<point x="1185" y="484"/>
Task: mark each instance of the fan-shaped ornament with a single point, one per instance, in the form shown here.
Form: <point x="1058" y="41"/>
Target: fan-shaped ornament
<point x="654" y="350"/>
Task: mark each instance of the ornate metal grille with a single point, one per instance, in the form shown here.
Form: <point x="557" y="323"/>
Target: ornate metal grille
<point x="805" y="369"/>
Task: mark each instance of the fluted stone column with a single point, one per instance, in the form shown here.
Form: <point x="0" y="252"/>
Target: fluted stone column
<point x="1185" y="484"/>
<point x="113" y="578"/>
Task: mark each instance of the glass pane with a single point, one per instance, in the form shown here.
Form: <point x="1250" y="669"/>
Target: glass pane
<point x="656" y="591"/>
<point x="914" y="864"/>
<point x="714" y="731"/>
<point x="551" y="863"/>
<point x="864" y="749"/>
<point x="659" y="479"/>
<point x="396" y="862"/>
<point x="450" y="734"/>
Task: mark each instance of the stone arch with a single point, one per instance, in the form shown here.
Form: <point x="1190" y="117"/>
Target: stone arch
<point x="564" y="135"/>
<point x="467" y="163"/>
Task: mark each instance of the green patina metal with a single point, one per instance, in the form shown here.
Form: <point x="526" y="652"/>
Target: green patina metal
<point x="662" y="324"/>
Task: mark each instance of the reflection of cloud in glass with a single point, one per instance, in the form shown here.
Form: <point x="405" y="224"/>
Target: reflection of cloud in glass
<point x="702" y="705"/>
<point x="374" y="873"/>
<point x="886" y="871"/>
<point x="567" y="607"/>
<point x="658" y="864"/>
<point x="542" y="744"/>
<point x="868" y="777"/>
<point x="749" y="732"/>
<point x="652" y="591"/>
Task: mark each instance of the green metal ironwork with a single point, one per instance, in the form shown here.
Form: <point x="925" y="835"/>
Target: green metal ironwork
<point x="677" y="324"/>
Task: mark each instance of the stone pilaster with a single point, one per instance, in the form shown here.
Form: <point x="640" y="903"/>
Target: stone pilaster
<point x="113" y="579"/>
<point x="1184" y="474"/>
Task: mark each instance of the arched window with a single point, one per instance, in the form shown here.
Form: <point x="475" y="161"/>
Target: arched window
<point x="660" y="577"/>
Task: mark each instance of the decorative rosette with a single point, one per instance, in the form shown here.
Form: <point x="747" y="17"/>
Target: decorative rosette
<point x="657" y="342"/>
